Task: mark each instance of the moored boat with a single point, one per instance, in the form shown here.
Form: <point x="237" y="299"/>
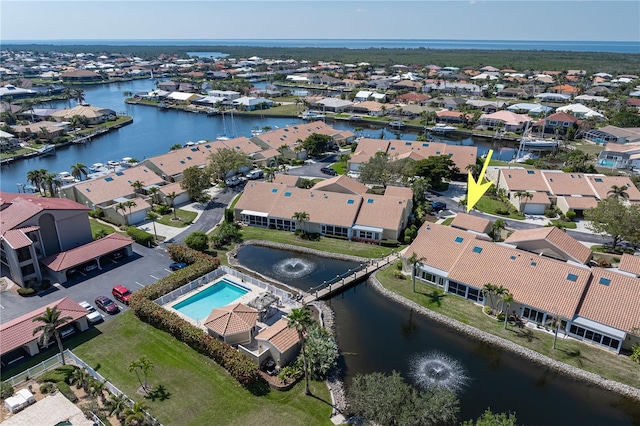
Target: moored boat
<point x="441" y="128"/>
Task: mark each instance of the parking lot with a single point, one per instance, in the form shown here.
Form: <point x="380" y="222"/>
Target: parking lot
<point x="144" y="267"/>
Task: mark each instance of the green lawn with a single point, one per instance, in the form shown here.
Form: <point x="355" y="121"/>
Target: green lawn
<point x="99" y="226"/>
<point x="290" y="110"/>
<point x="490" y="205"/>
<point x="504" y="163"/>
<point x="561" y="224"/>
<point x="332" y="245"/>
<point x="447" y="221"/>
<point x="571" y="351"/>
<point x="201" y="392"/>
<point x="185" y="218"/>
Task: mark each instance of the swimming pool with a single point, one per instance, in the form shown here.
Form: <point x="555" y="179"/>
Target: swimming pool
<point x="199" y="306"/>
<point x="607" y="162"/>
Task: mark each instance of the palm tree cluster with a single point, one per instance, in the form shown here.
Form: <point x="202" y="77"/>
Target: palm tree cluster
<point x="503" y="295"/>
<point x="50" y="323"/>
<point x="44" y="181"/>
<point x="300" y="319"/>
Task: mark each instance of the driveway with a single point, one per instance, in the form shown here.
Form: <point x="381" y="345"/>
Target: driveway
<point x="142" y="268"/>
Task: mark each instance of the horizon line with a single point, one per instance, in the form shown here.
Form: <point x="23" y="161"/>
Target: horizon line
<point x="322" y="39"/>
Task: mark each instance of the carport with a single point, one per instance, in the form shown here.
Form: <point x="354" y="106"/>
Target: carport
<point x="59" y="264"/>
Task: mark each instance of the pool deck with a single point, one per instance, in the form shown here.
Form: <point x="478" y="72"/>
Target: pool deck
<point x="253" y="293"/>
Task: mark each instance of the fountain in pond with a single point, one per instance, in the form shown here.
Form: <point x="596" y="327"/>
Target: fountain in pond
<point x="436" y="370"/>
<point x="294" y="267"/>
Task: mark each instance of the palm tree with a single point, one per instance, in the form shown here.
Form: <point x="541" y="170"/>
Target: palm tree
<point x="172" y="196"/>
<point x="300" y="319"/>
<point x="488" y="290"/>
<point x="50" y="320"/>
<point x="97" y="388"/>
<point x="52" y="183"/>
<point x="524" y="195"/>
<point x="145" y="366"/>
<point x="414" y="260"/>
<point x="153" y="191"/>
<point x="130" y="205"/>
<point x="618" y="192"/>
<point x="36" y="178"/>
<point x="135" y="415"/>
<point x="301" y="218"/>
<point x="116" y="405"/>
<point x="135" y="367"/>
<point x="78" y="377"/>
<point x="137" y="186"/>
<point x="498" y="226"/>
<point x="78" y="95"/>
<point x="153" y="216"/>
<point x="121" y="207"/>
<point x="507" y="299"/>
<point x="79" y="169"/>
<point x="67" y="93"/>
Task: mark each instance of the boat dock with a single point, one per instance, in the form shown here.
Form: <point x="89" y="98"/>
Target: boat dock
<point x="340" y="283"/>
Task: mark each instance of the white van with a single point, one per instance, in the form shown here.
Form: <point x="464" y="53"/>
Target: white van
<point x="255" y="174"/>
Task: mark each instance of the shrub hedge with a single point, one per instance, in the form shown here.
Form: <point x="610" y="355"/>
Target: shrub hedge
<point x="58" y="374"/>
<point x="241" y="367"/>
<point x="139" y="236"/>
<point x="66" y="391"/>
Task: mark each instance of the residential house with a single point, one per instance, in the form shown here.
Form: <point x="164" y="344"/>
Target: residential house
<point x="630" y="263"/>
<point x="558" y="122"/>
<point x="412" y="98"/>
<point x="507" y="120"/>
<point x="280" y="341"/>
<point x="453" y="117"/>
<point x="613" y="134"/>
<point x="11" y="91"/>
<point x="8" y="141"/>
<point x="550" y="242"/>
<point x="182" y="98"/>
<point x="595" y="305"/>
<point x="371" y="108"/>
<point x="345" y="213"/>
<point x="580" y="111"/>
<point x="94" y="115"/>
<point x="34" y="230"/>
<point x="80" y="76"/>
<point x="410" y="85"/>
<point x="18" y="339"/>
<point x="44" y="129"/>
<point x="514" y="92"/>
<point x="250" y="104"/>
<point x="336" y="105"/>
<point x="472" y="223"/>
<point x="487" y="107"/>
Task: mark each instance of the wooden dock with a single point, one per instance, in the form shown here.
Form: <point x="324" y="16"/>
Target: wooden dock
<point x="341" y="283"/>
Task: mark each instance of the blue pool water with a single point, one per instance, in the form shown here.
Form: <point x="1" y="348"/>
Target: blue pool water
<point x="607" y="162"/>
<point x="199" y="306"/>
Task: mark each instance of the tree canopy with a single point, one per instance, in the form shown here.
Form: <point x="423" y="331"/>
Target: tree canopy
<point x="195" y="180"/>
<point x="489" y="418"/>
<point x="611" y="217"/>
<point x="322" y="352"/>
<point x="316" y="144"/>
<point x="381" y="169"/>
<point x="389" y="400"/>
<point x="227" y="160"/>
<point x="436" y="169"/>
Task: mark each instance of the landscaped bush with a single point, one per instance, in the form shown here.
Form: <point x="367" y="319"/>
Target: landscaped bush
<point x="139" y="236"/>
<point x="241" y="367"/>
<point x="550" y="213"/>
<point x="59" y="374"/>
<point x="47" y="387"/>
<point x="197" y="240"/>
<point x="67" y="392"/>
<point x="571" y="215"/>
<point x="96" y="214"/>
<point x="6" y="390"/>
<point x="398" y="274"/>
<point x="26" y="291"/>
<point x="162" y="209"/>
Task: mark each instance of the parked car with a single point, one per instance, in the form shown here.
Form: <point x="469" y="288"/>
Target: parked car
<point x="121" y="293"/>
<point x="93" y="316"/>
<point x="107" y="305"/>
<point x="233" y="181"/>
<point x="90" y="267"/>
<point x="177" y="265"/>
<point x="437" y="206"/>
<point x="67" y="331"/>
<point x="255" y="174"/>
<point x="329" y="171"/>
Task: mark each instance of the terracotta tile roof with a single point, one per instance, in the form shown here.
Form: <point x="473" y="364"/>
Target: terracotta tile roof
<point x="562" y="117"/>
<point x="523" y="180"/>
<point x="580" y="203"/>
<point x="508" y="117"/>
<point x="558" y="243"/>
<point x="241" y="144"/>
<point x="462" y="156"/>
<point x="323" y="207"/>
<point x="544" y="283"/>
<point x="368" y="106"/>
<point x="280" y="336"/>
<point x="602" y="185"/>
<point x="231" y="319"/>
<point x="25" y="206"/>
<point x="87" y="252"/>
<point x="471" y="223"/>
<point x="399" y="191"/>
<point x="174" y="162"/>
<point x="288" y="180"/>
<point x="538" y="198"/>
<point x="291" y="134"/>
<point x="260" y="196"/>
<point x="369" y="147"/>
<point x="116" y="185"/>
<point x="382" y="211"/>
<point x="172" y="187"/>
<point x="342" y="184"/>
<point x="568" y="183"/>
<point x="440" y="245"/>
<point x="16" y="238"/>
<point x="612" y="299"/>
<point x="19" y="331"/>
<point x="630" y="263"/>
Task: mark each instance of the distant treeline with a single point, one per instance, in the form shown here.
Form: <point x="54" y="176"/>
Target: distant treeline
<point x="614" y="63"/>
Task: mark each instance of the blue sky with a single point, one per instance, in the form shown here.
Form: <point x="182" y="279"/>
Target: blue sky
<point x="576" y="20"/>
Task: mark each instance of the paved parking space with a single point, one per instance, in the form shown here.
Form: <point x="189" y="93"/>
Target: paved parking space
<point x="144" y="267"/>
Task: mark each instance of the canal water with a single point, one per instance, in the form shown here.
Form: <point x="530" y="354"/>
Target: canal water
<point x="154" y="131"/>
<point x="376" y="334"/>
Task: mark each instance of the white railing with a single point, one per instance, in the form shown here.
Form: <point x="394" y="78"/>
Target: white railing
<point x="29" y="373"/>
<point x="56" y="361"/>
<point x="284" y="295"/>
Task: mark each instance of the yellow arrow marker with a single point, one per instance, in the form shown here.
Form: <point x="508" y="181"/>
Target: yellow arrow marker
<point x="475" y="190"/>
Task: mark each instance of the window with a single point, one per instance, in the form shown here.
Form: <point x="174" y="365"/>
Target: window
<point x="604" y="281"/>
<point x="108" y="179"/>
<point x="274" y="190"/>
<point x="533" y="315"/>
<point x="350" y="201"/>
<point x="572" y="277"/>
<point x="534" y="263"/>
<point x="475" y="295"/>
<point x="512" y="257"/>
<point x="28" y="270"/>
<point x="370" y="201"/>
<point x="477" y="249"/>
<point x="531" y="172"/>
<point x="23" y="254"/>
<point x="459" y="239"/>
<point x="594" y="337"/>
<point x="287" y="194"/>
